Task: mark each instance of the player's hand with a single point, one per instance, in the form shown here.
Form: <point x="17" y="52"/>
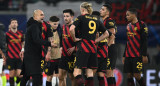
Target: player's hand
<point x="21" y="54"/>
<point x="145" y="59"/>
<point x="53" y="44"/>
<point x="48" y="56"/>
<point x="123" y="59"/>
<point x="70" y="50"/>
<point x="111" y="39"/>
<point x="61" y="50"/>
<point x="4" y="61"/>
<point x="1" y="51"/>
<point x="77" y="39"/>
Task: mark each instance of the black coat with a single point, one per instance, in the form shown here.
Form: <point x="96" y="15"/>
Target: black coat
<point x="33" y="48"/>
<point x="2" y="38"/>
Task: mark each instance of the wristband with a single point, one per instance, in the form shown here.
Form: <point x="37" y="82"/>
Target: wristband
<point x="22" y="49"/>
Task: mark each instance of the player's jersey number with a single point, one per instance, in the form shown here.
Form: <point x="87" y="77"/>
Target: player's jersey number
<point x="92" y="26"/>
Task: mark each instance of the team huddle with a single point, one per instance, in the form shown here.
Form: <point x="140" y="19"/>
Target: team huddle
<point x="82" y="48"/>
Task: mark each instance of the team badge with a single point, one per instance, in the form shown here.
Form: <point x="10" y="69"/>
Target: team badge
<point x="76" y="19"/>
<point x="146" y="30"/>
<point x="135" y="28"/>
<point x="111" y="23"/>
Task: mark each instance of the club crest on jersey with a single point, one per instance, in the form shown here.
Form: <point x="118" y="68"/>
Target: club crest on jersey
<point x="135" y="28"/>
<point x="42" y="28"/>
<point x="146" y="29"/>
<point x="111" y="23"/>
<point x="11" y="36"/>
<point x="76" y="19"/>
<point x="19" y="36"/>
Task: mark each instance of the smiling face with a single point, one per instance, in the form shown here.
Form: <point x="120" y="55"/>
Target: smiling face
<point x="67" y="18"/>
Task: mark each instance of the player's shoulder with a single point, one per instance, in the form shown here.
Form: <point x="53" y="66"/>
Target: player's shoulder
<point x="142" y="22"/>
<point x="8" y="32"/>
<point x="109" y="19"/>
<point x="20" y="31"/>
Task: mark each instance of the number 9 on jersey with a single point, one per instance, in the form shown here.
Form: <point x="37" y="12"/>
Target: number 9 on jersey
<point x="92" y="26"/>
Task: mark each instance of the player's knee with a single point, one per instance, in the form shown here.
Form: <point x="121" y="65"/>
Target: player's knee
<point x="100" y="74"/>
<point x="71" y="77"/>
<point x="11" y="74"/>
<point x="77" y="72"/>
<point x="110" y="73"/>
<point x="61" y="77"/>
<point x="94" y="71"/>
<point x="49" y="78"/>
<point x="89" y="73"/>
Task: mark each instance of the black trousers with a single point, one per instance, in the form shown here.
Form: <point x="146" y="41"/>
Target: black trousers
<point x="36" y="80"/>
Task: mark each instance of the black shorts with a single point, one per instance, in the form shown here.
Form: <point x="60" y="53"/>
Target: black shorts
<point x="112" y="57"/>
<point x="52" y="67"/>
<point x="13" y="64"/>
<point x="43" y="62"/>
<point x="86" y="60"/>
<point x="102" y="67"/>
<point x="133" y="65"/>
<point x="67" y="63"/>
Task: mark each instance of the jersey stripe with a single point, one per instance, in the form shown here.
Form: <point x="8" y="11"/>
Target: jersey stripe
<point x="11" y="50"/>
<point x="43" y="37"/>
<point x="89" y="44"/>
<point x="67" y="41"/>
<point x="84" y="47"/>
<point x="14" y="44"/>
<point x="129" y="49"/>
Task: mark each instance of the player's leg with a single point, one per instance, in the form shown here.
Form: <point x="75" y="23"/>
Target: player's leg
<point x="12" y="72"/>
<point x="138" y="70"/>
<point x="80" y="63"/>
<point x="112" y="57"/>
<point x="101" y="70"/>
<point x="110" y="77"/>
<point x="55" y="80"/>
<point x="71" y="63"/>
<point x="18" y="70"/>
<point x="62" y="77"/>
<point x="139" y="79"/>
<point x="128" y="68"/>
<point x="90" y="81"/>
<point x="63" y="68"/>
<point x="1" y="67"/>
<point x="71" y="77"/>
<point x="48" y="81"/>
<point x="48" y="71"/>
<point x="78" y="77"/>
<point x="92" y="64"/>
<point x="130" y="81"/>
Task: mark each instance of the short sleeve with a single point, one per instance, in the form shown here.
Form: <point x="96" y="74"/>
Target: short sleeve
<point x="110" y="24"/>
<point x="77" y="21"/>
